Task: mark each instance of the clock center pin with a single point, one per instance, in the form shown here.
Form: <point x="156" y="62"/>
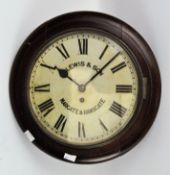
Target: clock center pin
<point x="82" y="88"/>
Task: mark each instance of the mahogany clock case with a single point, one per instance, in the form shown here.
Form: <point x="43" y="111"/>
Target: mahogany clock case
<point x="144" y="61"/>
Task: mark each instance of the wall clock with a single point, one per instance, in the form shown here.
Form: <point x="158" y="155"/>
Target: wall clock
<point x="85" y="87"/>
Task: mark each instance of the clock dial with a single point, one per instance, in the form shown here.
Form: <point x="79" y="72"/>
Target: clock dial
<point x="83" y="88"/>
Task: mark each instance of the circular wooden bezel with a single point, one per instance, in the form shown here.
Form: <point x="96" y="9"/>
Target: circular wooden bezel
<point x="149" y="85"/>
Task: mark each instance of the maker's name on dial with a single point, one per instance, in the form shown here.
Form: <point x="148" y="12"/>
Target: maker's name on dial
<point x="82" y="64"/>
<point x="80" y="111"/>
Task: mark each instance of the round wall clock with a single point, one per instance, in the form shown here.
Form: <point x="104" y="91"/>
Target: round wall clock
<point x="85" y="87"/>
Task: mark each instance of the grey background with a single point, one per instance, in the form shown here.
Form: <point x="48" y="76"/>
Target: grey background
<point x="17" y="19"/>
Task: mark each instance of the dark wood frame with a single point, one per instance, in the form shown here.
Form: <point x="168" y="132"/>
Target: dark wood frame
<point x="136" y="46"/>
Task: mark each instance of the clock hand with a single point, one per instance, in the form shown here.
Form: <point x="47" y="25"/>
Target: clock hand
<point x="49" y="67"/>
<point x="62" y="72"/>
<point x="100" y="71"/>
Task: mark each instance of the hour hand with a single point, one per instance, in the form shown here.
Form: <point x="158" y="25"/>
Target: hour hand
<point x="49" y="67"/>
<point x="62" y="72"/>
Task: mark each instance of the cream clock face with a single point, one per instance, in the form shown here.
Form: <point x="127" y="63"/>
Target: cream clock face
<point x="83" y="88"/>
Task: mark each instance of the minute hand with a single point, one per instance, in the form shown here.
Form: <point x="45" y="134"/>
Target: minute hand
<point x="94" y="76"/>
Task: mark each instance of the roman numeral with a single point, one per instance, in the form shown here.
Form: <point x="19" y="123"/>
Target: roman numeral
<point x="103" y="52"/>
<point x="124" y="88"/>
<point x="46" y="107"/>
<point x="81" y="130"/>
<point x="103" y="125"/>
<point x="63" y="51"/>
<point x="61" y="122"/>
<point x="118" y="109"/>
<point x="42" y="88"/>
<point x="118" y="67"/>
<point x="83" y="46"/>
